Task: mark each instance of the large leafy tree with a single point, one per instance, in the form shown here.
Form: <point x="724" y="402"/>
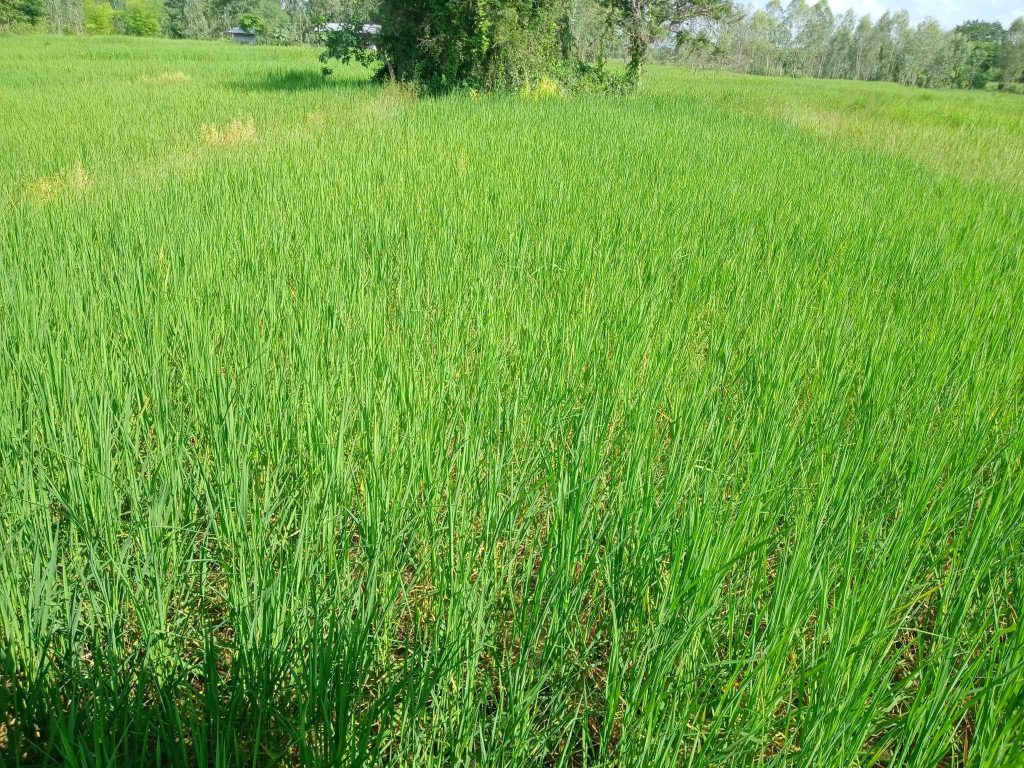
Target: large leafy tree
<point x="443" y="44"/>
<point x="186" y="18"/>
<point x="508" y="43"/>
<point x="983" y="46"/>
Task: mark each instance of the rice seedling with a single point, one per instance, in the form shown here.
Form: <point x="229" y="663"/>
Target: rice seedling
<point x="675" y="429"/>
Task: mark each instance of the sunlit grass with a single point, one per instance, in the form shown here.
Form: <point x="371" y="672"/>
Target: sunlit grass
<point x="343" y="427"/>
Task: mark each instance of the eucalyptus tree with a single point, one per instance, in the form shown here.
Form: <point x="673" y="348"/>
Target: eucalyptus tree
<point x="1013" y="71"/>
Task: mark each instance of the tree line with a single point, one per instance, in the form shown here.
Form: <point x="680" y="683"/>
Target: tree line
<point x="811" y="41"/>
<point x="281" y="21"/>
<point x="494" y="44"/>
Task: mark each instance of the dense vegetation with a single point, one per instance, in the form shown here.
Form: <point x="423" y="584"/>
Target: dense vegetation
<point x="483" y="44"/>
<point x="506" y="43"/>
<point x="812" y="41"/>
<point x="344" y="427"/>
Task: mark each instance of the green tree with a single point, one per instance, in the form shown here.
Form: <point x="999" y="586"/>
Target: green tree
<point x="590" y="36"/>
<point x="141" y="19"/>
<point x="841" y="50"/>
<point x="928" y="56"/>
<point x="99" y="17"/>
<point x="1013" y="68"/>
<point x="64" y="15"/>
<point x="982" y="31"/>
<point x="443" y="44"/>
<point x="982" y="44"/>
<point x="642" y="20"/>
<point x="16" y="12"/>
<point x="186" y="18"/>
<point x="893" y="36"/>
<point x="867" y="48"/>
<point x="801" y="39"/>
<point x="252" y="22"/>
<point x="815" y="37"/>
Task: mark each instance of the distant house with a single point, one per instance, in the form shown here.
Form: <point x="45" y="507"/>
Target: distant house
<point x="366" y="32"/>
<point x="243" y="36"/>
<point x="364" y="29"/>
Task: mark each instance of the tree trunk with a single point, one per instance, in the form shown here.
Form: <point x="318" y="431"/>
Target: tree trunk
<point x="637" y="39"/>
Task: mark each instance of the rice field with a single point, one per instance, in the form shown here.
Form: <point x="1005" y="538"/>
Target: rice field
<point x="342" y="427"/>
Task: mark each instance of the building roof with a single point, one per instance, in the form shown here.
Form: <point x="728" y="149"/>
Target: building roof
<point x="337" y="26"/>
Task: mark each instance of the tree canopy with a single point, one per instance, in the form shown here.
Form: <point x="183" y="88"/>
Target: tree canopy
<point x="17" y="12"/>
<point x="481" y="43"/>
<point x="496" y="44"/>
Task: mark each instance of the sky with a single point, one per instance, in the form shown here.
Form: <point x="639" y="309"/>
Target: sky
<point x="949" y="13"/>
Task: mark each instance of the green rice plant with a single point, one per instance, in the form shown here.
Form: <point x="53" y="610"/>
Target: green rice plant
<point x="342" y="427"/>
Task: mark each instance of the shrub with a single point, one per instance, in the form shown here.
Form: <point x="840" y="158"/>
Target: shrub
<point x="99" y="17"/>
<point x="141" y="19"/>
<point x="544" y="88"/>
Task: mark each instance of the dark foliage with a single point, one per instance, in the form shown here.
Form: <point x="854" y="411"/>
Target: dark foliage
<point x="445" y="44"/>
<point x="16" y="12"/>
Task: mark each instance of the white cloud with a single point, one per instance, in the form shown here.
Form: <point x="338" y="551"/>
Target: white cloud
<point x="949" y="13"/>
<point x="871" y="8"/>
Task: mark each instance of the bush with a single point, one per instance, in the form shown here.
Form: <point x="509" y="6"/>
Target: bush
<point x="99" y="18"/>
<point x="544" y="88"/>
<point x="1017" y="88"/>
<point x="141" y="19"/>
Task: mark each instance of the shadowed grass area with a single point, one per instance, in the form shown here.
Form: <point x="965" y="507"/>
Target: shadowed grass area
<point x="342" y="427"/>
<point x="305" y="79"/>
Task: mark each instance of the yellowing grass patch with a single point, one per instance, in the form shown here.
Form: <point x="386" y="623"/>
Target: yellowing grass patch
<point x="236" y="132"/>
<point x="48" y="188"/>
<point x="972" y="153"/>
<point x="164" y="78"/>
<point x="545" y="88"/>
